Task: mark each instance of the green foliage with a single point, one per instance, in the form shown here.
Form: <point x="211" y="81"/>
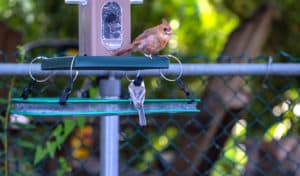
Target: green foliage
<point x="243" y="9"/>
<point x="196" y="24"/>
<point x="22" y="54"/>
<point x="286" y="21"/>
<point x="39" y="19"/>
<point x="64" y="167"/>
<point x="56" y="139"/>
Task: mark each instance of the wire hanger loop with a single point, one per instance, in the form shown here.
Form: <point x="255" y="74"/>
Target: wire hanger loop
<point x="180" y="65"/>
<point x="30" y="70"/>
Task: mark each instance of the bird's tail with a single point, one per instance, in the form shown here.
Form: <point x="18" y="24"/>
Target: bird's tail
<point x="124" y="51"/>
<point x="142" y="117"/>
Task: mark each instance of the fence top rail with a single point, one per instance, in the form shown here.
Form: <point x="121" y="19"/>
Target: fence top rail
<point x="218" y="69"/>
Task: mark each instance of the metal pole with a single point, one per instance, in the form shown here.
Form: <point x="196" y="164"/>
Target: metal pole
<point x="109" y="125"/>
<point x="281" y="69"/>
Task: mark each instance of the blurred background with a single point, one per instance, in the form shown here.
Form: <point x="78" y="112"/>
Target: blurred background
<point x="247" y="126"/>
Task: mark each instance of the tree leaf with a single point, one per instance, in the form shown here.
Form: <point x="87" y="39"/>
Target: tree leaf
<point x="57" y="131"/>
<point x="69" y="126"/>
<point x="40" y="154"/>
<point x="51" y="148"/>
<point x="26" y="144"/>
<point x="80" y="122"/>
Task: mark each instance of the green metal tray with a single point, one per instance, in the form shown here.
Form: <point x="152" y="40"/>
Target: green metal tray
<point x="105" y="63"/>
<point x="46" y="107"/>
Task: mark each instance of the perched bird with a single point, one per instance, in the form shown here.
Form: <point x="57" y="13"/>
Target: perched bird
<point x="137" y="92"/>
<point x="150" y="42"/>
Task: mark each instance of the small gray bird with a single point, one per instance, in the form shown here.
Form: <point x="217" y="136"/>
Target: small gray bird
<point x="137" y="92"/>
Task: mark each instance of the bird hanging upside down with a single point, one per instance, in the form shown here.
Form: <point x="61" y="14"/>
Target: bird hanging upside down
<point x="150" y="42"/>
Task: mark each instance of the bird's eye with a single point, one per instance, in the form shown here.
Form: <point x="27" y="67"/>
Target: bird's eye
<point x="165" y="29"/>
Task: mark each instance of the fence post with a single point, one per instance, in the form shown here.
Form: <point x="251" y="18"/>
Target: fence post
<point x="109" y="129"/>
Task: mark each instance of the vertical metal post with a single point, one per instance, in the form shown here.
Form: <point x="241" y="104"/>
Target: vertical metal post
<point x="109" y="126"/>
<point x="97" y="21"/>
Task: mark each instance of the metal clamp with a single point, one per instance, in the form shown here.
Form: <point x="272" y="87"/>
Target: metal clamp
<point x="79" y="2"/>
<point x="136" y="1"/>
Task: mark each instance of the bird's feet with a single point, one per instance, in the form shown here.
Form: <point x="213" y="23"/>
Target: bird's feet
<point x="148" y="55"/>
<point x="130" y="101"/>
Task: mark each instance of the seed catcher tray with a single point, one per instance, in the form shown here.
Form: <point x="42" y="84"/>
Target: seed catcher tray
<point x="46" y="107"/>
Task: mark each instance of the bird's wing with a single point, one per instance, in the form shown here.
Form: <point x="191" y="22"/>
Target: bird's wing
<point x="144" y="35"/>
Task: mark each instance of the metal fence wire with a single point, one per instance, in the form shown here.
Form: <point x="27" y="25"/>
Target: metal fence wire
<point x="248" y="125"/>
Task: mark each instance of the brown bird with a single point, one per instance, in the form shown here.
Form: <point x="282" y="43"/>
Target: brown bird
<point x="150" y="42"/>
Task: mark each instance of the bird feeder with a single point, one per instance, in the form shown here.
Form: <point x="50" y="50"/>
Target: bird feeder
<point x="104" y="27"/>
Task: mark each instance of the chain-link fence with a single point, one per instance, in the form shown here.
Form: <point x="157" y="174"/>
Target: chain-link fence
<point x="248" y="125"/>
